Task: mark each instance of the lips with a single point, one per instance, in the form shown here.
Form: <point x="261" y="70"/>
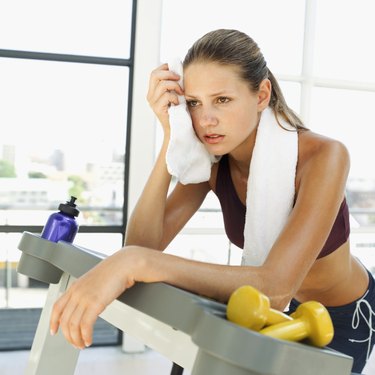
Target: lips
<point x="213" y="138"/>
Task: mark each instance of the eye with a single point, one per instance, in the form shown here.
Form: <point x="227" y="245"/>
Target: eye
<point x="192" y="103"/>
<point x="223" y="99"/>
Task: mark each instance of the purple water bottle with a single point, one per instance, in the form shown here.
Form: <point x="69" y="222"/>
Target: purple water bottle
<point x="62" y="225"/>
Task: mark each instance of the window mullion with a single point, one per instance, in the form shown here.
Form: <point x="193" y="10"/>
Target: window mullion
<point x="308" y="59"/>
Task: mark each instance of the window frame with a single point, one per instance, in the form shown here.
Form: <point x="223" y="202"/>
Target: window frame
<point x="83" y="59"/>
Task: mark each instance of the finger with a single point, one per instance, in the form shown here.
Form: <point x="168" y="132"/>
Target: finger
<point x="172" y="99"/>
<point x="161" y="74"/>
<point x="88" y="320"/>
<point x="165" y="86"/>
<point x="162" y="88"/>
<point x="74" y="327"/>
<point x="65" y="320"/>
<point x="162" y="106"/>
<point x="57" y="310"/>
<point x="163" y="100"/>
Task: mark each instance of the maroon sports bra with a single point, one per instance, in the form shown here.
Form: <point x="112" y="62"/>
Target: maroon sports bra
<point x="234" y="213"/>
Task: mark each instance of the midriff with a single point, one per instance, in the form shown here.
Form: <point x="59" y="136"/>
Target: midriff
<point x="335" y="280"/>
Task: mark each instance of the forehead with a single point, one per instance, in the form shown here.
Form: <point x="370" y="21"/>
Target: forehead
<point x="203" y="75"/>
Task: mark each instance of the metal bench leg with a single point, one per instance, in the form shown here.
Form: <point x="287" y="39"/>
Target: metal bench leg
<point x="51" y="354"/>
<point x="177" y="369"/>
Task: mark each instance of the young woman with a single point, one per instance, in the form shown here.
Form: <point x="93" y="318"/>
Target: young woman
<point x="227" y="85"/>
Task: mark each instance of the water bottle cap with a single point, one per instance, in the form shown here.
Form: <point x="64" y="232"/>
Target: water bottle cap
<point x="69" y="207"/>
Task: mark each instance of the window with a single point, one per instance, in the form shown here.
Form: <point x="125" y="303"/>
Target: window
<point x="344" y="52"/>
<point x="66" y="82"/>
<point x="84" y="27"/>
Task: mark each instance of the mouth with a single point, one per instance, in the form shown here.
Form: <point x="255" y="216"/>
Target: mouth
<point x="213" y="138"/>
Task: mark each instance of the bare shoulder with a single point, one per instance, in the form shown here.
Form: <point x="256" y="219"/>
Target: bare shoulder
<point x="321" y="159"/>
<point x="316" y="148"/>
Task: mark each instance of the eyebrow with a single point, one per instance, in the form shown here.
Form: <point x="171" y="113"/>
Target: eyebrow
<point x="222" y="92"/>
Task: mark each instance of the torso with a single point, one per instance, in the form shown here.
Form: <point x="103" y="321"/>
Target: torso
<point x="335" y="279"/>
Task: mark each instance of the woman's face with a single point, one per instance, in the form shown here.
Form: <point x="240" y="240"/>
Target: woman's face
<point x="223" y="108"/>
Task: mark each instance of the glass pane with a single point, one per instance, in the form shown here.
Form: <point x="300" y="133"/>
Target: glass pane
<point x="17" y="290"/>
<point x="362" y="246"/>
<point x="347" y="116"/>
<point x="212" y="248"/>
<point x="66" y="130"/>
<point x="81" y="27"/>
<point x="277" y="27"/>
<point x="105" y="243"/>
<point x="292" y="94"/>
<point x="344" y="51"/>
<point x="209" y="215"/>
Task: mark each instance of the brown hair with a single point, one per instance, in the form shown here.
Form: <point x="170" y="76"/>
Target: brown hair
<point x="235" y="48"/>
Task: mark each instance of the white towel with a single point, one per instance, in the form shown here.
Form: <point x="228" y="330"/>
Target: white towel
<point x="271" y="187"/>
<point x="187" y="158"/>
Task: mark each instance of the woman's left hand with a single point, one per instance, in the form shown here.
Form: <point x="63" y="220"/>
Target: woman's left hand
<point x="76" y="311"/>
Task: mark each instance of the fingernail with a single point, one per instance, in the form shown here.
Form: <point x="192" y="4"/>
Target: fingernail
<point x="52" y="332"/>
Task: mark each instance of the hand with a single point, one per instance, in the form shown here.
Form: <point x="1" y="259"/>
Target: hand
<point x="79" y="307"/>
<point x="163" y="91"/>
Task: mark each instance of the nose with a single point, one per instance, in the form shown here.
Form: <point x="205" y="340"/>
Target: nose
<point x="207" y="118"/>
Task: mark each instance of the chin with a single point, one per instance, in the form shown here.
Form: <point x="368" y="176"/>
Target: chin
<point x="217" y="152"/>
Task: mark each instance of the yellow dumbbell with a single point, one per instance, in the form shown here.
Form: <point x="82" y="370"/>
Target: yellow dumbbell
<point x="250" y="308"/>
<point x="311" y="321"/>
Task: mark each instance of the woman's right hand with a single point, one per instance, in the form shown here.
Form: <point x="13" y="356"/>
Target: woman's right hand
<point x="163" y="91"/>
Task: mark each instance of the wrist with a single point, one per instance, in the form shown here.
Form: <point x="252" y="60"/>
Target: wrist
<point x="167" y="137"/>
<point x="143" y="264"/>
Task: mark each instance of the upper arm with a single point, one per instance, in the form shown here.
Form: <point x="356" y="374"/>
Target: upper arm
<point x="319" y="196"/>
<point x="181" y="205"/>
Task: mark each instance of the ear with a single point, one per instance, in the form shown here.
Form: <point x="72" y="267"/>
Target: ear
<point x="264" y="94"/>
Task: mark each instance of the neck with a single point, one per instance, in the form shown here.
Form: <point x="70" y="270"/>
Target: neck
<point x="240" y="158"/>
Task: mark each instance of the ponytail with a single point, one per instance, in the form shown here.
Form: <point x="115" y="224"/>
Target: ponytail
<point x="279" y="106"/>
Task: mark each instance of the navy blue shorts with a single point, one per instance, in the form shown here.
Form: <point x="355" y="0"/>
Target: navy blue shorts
<point x="354" y="326"/>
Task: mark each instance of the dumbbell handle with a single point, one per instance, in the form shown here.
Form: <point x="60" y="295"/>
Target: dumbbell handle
<point x="283" y="331"/>
<point x="311" y="320"/>
<point x="276" y="317"/>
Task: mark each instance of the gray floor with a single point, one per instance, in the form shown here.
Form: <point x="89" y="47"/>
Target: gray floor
<point x="111" y="360"/>
<point x="97" y="361"/>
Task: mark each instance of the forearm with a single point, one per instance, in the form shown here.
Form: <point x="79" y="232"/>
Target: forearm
<point x="145" y="225"/>
<point x="78" y="308"/>
<point x="211" y="280"/>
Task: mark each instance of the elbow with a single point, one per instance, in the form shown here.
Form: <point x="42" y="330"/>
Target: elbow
<point x="280" y="301"/>
<point x="144" y="242"/>
<point x="280" y="290"/>
<point x="138" y="235"/>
